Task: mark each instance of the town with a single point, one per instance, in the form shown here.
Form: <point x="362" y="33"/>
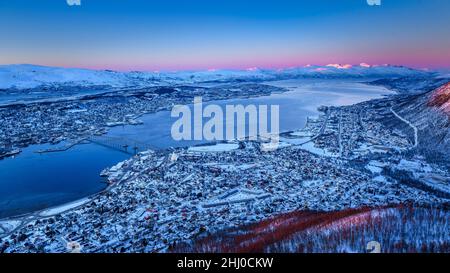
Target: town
<point x="54" y="121"/>
<point x="161" y="199"/>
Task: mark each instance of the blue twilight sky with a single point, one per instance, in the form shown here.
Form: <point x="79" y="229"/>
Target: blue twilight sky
<point x="212" y="34"/>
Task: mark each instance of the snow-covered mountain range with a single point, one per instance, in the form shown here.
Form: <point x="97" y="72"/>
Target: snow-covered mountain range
<point x="26" y="76"/>
<point x="30" y="76"/>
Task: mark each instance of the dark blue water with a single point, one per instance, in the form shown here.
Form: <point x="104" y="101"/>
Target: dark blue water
<point x="36" y="181"/>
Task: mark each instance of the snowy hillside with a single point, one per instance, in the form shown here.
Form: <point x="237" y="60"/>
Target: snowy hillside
<point x="441" y="99"/>
<point x="429" y="112"/>
<point x="346" y="231"/>
<point x="416" y="84"/>
<point x="31" y="76"/>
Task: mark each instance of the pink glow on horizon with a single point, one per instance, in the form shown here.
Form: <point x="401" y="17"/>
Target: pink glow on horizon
<point x="278" y="65"/>
<point x="207" y="64"/>
<point x="200" y="68"/>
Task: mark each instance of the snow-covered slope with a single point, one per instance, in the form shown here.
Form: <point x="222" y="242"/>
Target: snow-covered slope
<point x="441" y="99"/>
<point x="430" y="113"/>
<point x="31" y="76"/>
<point x="415" y="84"/>
<point x="430" y="107"/>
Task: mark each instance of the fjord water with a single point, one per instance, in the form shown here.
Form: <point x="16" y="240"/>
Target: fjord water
<point x="302" y="101"/>
<point x="33" y="181"/>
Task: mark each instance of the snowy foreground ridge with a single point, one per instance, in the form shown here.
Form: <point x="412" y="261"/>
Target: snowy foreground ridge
<point x="26" y="76"/>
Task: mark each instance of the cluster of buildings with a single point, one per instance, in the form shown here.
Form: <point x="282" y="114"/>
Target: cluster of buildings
<point x="54" y="121"/>
<point x="158" y="200"/>
<point x="372" y="136"/>
<point x="357" y="131"/>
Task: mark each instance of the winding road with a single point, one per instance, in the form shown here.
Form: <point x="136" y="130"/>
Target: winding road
<point x="416" y="131"/>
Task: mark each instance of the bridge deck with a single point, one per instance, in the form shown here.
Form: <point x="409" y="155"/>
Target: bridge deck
<point x="126" y="145"/>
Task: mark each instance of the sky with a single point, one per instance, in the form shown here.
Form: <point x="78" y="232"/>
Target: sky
<point x="168" y="35"/>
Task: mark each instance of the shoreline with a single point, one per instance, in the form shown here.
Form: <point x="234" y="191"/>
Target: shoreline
<point x="38" y="214"/>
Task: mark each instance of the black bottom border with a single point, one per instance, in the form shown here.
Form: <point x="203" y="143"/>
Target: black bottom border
<point x="221" y="262"/>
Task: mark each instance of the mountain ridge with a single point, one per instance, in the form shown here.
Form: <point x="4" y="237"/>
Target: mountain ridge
<point x="28" y="76"/>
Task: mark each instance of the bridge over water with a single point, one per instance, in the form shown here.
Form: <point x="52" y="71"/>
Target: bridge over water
<point x="122" y="144"/>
